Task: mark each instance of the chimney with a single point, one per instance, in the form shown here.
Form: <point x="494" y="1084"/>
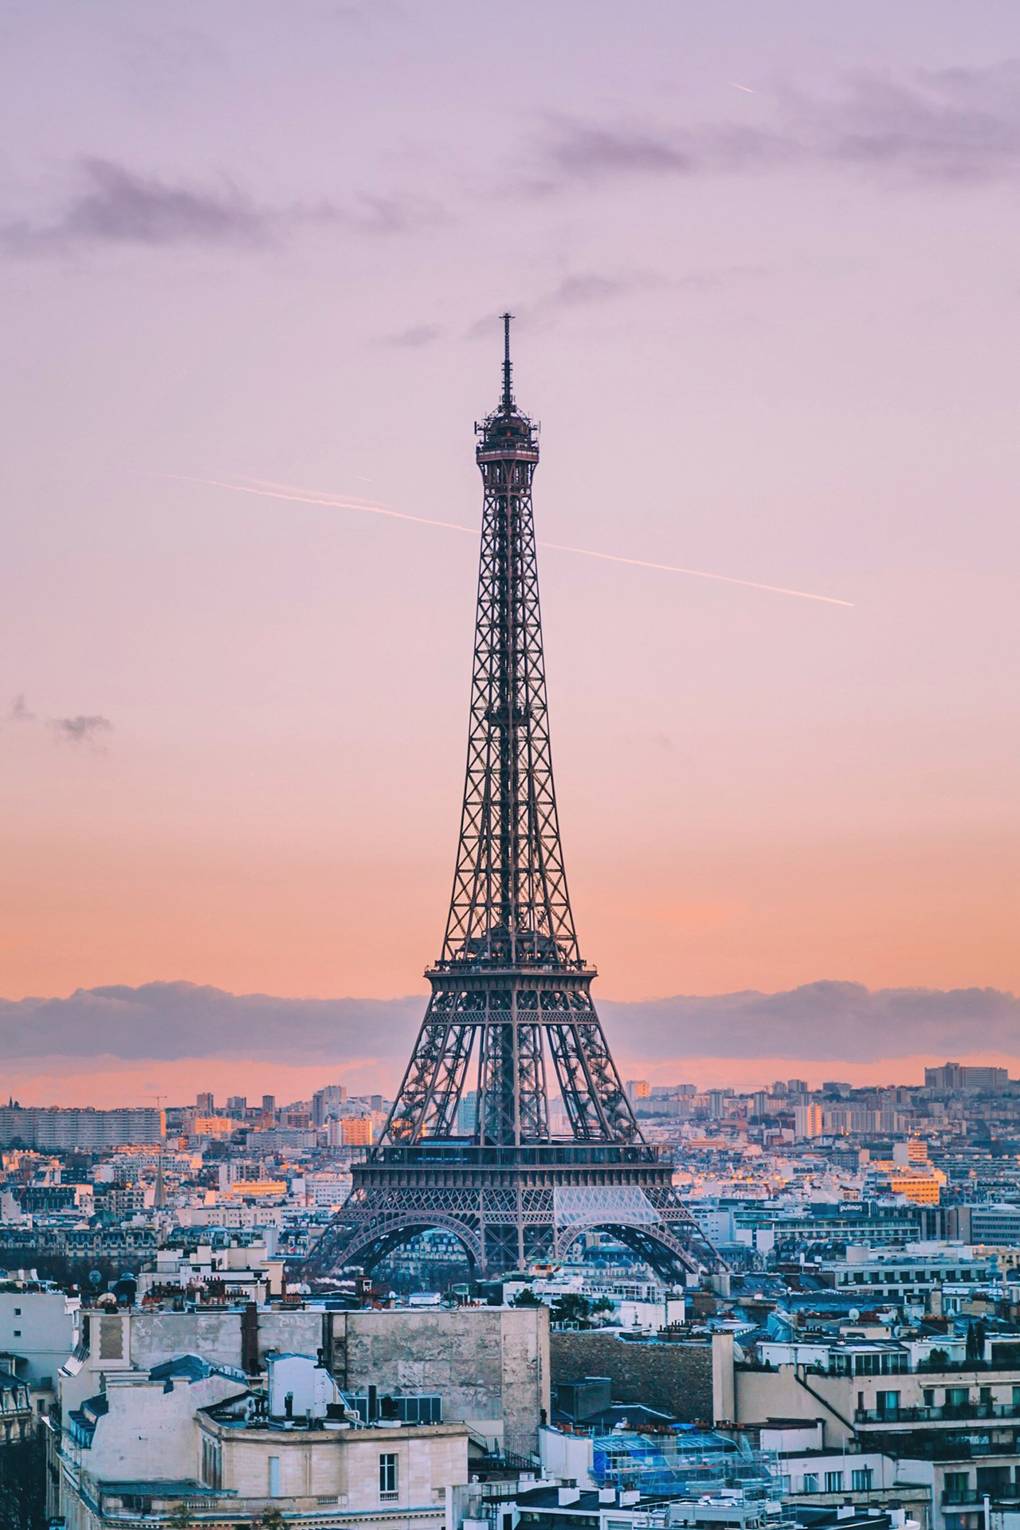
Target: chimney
<point x="250" y="1340"/>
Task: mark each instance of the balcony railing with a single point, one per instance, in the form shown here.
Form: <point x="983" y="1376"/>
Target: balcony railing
<point x="451" y="1154"/>
<point x="938" y="1414"/>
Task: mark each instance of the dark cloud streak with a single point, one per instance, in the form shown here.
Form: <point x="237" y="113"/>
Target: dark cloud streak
<point x="113" y="205"/>
<point x="942" y="127"/>
<point x="828" y="1021"/>
<point x="83" y="729"/>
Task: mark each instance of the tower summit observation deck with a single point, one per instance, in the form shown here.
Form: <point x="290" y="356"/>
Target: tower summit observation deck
<point x="511" y="1003"/>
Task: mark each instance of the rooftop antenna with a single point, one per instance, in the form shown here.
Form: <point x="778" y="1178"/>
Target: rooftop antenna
<point x="508" y="392"/>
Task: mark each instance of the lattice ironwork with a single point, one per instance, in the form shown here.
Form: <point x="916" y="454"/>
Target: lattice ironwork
<point x="510" y="1005"/>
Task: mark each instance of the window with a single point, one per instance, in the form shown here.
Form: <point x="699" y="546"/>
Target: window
<point x="957" y="1488"/>
<point x="388" y="1474"/>
<point x="17" y="1312"/>
<point x="274" y="1476"/>
<point x="888" y="1403"/>
<point x="860" y="1480"/>
<point x="212" y="1463"/>
<point x="834" y="1482"/>
<point x="810" y="1482"/>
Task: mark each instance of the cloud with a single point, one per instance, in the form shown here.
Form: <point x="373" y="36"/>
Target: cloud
<point x="582" y="151"/>
<point x="591" y="289"/>
<point x="581" y="290"/>
<point x="952" y="126"/>
<point x="825" y="1022"/>
<point x="391" y="214"/>
<point x="113" y="205"/>
<point x="415" y="336"/>
<point x="165" y="1021"/>
<point x="83" y="729"/>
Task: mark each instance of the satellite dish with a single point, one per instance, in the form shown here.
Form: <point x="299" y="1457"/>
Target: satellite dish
<point x="95" y="1277"/>
<point x="854" y="1314"/>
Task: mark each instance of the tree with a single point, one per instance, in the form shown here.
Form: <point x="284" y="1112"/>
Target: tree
<point x="527" y="1298"/>
<point x="572" y="1308"/>
<point x="180" y="1517"/>
<point x="269" y="1519"/>
<point x="23" y="1484"/>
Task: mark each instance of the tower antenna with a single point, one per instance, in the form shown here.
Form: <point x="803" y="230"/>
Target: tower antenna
<point x="508" y="391"/>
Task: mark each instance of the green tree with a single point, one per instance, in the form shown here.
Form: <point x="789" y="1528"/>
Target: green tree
<point x="23" y="1484"/>
<point x="571" y="1307"/>
<point x="527" y="1298"/>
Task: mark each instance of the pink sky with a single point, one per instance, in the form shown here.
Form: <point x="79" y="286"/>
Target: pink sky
<point x="768" y="332"/>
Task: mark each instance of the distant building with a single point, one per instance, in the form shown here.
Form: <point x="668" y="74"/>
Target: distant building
<point x="998" y="1225"/>
<point x="54" y="1127"/>
<point x="467" y="1112"/>
<point x="205" y="1104"/>
<point x="357" y="1131"/>
<point x="808" y="1120"/>
<point x="326" y="1103"/>
<point x="953" y="1076"/>
<point x="212" y="1126"/>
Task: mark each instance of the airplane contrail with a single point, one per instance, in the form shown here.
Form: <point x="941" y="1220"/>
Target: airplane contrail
<point x="265" y="488"/>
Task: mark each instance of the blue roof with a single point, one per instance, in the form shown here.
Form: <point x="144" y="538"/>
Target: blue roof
<point x="181" y="1367"/>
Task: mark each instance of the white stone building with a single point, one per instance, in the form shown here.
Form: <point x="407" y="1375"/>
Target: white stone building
<point x="187" y="1438"/>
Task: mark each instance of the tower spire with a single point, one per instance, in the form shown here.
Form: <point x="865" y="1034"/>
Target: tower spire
<point x="508" y="390"/>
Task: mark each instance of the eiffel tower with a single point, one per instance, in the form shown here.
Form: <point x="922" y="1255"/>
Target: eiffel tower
<point x="511" y="994"/>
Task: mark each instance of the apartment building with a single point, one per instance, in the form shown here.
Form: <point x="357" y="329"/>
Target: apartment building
<point x="952" y="1427"/>
<point x="186" y="1438"/>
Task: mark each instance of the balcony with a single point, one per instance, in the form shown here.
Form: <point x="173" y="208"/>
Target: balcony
<point x="946" y="1413"/>
<point x="451" y="1153"/>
